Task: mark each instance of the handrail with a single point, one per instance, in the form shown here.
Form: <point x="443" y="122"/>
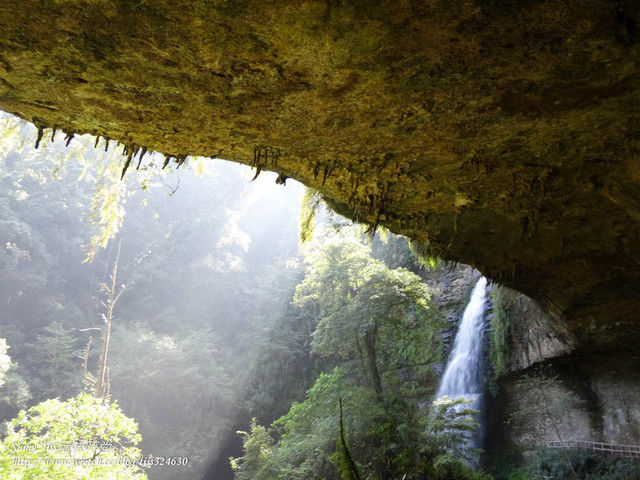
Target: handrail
<point x="632" y="451"/>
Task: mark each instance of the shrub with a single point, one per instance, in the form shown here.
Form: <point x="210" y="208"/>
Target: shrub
<point x="552" y="463"/>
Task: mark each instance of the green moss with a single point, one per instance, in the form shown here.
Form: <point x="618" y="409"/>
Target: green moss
<point x="311" y="202"/>
<point x="425" y="256"/>
<point x="513" y="130"/>
<point x="502" y="330"/>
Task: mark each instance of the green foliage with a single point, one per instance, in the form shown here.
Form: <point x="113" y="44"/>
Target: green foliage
<point x="311" y="203"/>
<point x="53" y="363"/>
<point x="504" y="466"/>
<point x="450" y="468"/>
<point x="343" y="456"/>
<point x="388" y="439"/>
<point x="14" y="394"/>
<point x="312" y="426"/>
<point x="363" y="307"/>
<point x="520" y="473"/>
<point x="107" y="205"/>
<point x="165" y="382"/>
<point x="14" y="391"/>
<point x="373" y="322"/>
<point x="80" y="438"/>
<point x="308" y="433"/>
<point x="206" y="285"/>
<point x="451" y="427"/>
<point x="207" y="258"/>
<point x="552" y="463"/>
<point x="395" y="252"/>
<point x="503" y="300"/>
<point x="99" y="166"/>
<point x="425" y="255"/>
<point x="257" y="462"/>
<point x="284" y="368"/>
<point x="5" y="360"/>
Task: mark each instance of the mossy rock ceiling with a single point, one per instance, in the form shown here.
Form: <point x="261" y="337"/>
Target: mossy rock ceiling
<point x="502" y="134"/>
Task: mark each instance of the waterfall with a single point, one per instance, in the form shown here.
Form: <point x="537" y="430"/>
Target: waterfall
<point x="463" y="375"/>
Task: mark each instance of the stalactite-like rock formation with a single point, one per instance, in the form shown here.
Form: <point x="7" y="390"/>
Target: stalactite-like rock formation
<point x="500" y="134"/>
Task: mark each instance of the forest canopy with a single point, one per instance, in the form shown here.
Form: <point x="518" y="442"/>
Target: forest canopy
<point x="212" y="314"/>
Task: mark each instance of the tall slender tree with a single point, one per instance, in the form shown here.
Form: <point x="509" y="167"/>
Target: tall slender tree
<point x="102" y="385"/>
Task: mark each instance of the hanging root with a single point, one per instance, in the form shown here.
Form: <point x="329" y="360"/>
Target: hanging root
<point x="40" y="132"/>
<point x="456" y="221"/>
<point x="127" y="163"/>
<point x="143" y="152"/>
<point x="180" y="160"/>
<point x="258" y="170"/>
<point x="372" y="230"/>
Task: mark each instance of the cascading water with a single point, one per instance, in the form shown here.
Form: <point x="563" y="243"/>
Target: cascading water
<point x="462" y="377"/>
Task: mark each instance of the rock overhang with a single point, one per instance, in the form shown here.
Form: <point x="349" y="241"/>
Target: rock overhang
<point x="503" y="135"/>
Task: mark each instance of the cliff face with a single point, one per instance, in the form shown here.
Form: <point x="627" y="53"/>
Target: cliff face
<point x="591" y="399"/>
<point x="451" y="289"/>
<point x="523" y="335"/>
<point x="546" y="392"/>
<point x="501" y="134"/>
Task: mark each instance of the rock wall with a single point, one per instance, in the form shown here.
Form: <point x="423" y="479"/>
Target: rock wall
<point x="452" y="289"/>
<point x="544" y="392"/>
<point x="523" y="334"/>
<point x="572" y="399"/>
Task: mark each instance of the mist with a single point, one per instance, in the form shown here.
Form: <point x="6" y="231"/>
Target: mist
<point x="169" y="323"/>
<point x="208" y="258"/>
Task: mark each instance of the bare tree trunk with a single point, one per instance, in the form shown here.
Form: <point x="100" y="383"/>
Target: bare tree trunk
<point x="360" y="354"/>
<point x="370" y="347"/>
<point x="101" y="386"/>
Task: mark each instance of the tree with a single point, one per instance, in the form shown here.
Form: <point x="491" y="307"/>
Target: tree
<point x="186" y="259"/>
<point x="308" y="432"/>
<point x="257" y="463"/>
<point x="361" y="302"/>
<point x="53" y="363"/>
<point x="450" y="428"/>
<point x="372" y="322"/>
<point x="14" y="392"/>
<point x="5" y="360"/>
<point x="541" y="396"/>
<point x="388" y="440"/>
<point x="180" y="390"/>
<point x="102" y="384"/>
<point x="83" y="437"/>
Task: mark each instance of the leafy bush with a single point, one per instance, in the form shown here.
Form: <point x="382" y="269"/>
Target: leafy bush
<point x="504" y="466"/>
<point x="83" y="437"/>
<point x="552" y="463"/>
<point x="387" y="439"/>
